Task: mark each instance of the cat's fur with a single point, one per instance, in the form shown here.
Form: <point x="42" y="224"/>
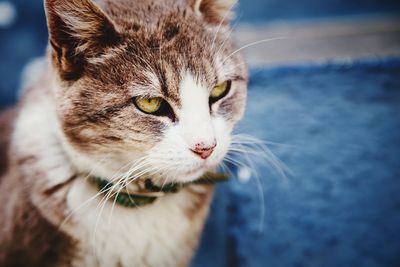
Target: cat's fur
<point x="79" y="120"/>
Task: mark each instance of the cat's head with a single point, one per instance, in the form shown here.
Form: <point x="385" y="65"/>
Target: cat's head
<point x="155" y="84"/>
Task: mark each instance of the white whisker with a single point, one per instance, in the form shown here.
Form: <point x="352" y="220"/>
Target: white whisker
<point x="251" y="44"/>
<point x="251" y="150"/>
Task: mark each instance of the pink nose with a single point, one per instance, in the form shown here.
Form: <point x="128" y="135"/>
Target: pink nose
<point x="203" y="151"/>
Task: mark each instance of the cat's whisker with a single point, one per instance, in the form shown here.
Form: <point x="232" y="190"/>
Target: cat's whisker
<point x="128" y="174"/>
<point x="227" y="38"/>
<point x="87" y="202"/>
<point x="252" y="44"/>
<point x="233" y="161"/>
<point x="226" y="169"/>
<point x="123" y="183"/>
<point x="220" y="25"/>
<point x="269" y="158"/>
<point x="245" y="139"/>
<point x="259" y="186"/>
<point x="126" y="182"/>
<point x="96" y="166"/>
<point x="109" y="194"/>
<point x="263" y="152"/>
<point x="130" y="177"/>
<point x="253" y="149"/>
<point x="102" y="200"/>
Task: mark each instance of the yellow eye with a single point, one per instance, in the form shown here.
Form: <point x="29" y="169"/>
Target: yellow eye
<point x="219" y="90"/>
<point x="149" y="105"/>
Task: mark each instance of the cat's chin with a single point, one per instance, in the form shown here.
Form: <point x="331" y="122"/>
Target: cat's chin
<point x="192" y="175"/>
<point x="184" y="176"/>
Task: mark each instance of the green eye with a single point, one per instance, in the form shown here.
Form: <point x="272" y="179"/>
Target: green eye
<point x="220" y="91"/>
<point x="149" y="105"/>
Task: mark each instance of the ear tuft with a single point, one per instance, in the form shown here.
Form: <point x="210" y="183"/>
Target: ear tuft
<point x="215" y="11"/>
<point x="77" y="29"/>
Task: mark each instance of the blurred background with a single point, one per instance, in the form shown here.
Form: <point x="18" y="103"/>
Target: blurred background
<point x="324" y="96"/>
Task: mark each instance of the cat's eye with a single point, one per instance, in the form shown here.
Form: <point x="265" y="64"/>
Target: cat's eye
<point x="156" y="106"/>
<point x="149" y="105"/>
<point x="220" y="91"/>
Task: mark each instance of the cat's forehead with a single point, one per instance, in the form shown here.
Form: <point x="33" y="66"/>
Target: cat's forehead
<point x="127" y="12"/>
<point x="155" y="62"/>
<point x="156" y="53"/>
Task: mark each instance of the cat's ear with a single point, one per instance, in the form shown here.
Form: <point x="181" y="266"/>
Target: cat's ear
<point x="215" y="11"/>
<point x="77" y="29"/>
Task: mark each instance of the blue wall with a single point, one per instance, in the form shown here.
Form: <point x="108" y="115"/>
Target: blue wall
<point x="337" y="128"/>
<point x="23" y="40"/>
<point x="268" y="10"/>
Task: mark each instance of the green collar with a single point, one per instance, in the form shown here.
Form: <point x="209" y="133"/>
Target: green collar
<point x="150" y="192"/>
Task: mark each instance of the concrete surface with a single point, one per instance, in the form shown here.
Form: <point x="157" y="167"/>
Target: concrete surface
<point x="320" y="40"/>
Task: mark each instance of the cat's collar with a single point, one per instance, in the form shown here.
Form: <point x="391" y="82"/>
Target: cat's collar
<point x="149" y="192"/>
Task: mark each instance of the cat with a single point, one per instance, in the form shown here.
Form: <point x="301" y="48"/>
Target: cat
<point x="134" y="93"/>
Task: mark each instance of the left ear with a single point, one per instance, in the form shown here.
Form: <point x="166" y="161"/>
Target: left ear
<point x="215" y="11"/>
<point x="77" y="29"/>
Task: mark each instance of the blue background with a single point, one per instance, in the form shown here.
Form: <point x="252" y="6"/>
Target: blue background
<point x="340" y="206"/>
<point x="338" y="130"/>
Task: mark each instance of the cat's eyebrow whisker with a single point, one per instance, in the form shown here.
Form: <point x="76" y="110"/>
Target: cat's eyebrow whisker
<point x="220" y="24"/>
<point x="228" y="37"/>
<point x="252" y="44"/>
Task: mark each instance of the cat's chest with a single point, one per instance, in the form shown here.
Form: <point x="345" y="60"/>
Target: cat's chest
<point x="163" y="234"/>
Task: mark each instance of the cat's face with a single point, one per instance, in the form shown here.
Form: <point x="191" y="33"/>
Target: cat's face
<point x="154" y="86"/>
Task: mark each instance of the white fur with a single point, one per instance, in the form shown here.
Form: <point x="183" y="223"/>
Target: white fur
<point x="194" y="116"/>
<point x="35" y="134"/>
<point x="154" y="235"/>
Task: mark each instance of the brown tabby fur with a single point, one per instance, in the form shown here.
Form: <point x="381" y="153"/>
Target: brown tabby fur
<point x="97" y="52"/>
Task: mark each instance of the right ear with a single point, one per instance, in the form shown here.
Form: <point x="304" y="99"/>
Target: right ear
<point x="77" y="29"/>
<point x="215" y="11"/>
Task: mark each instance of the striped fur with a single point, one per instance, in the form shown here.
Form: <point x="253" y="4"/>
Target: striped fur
<point x="79" y="118"/>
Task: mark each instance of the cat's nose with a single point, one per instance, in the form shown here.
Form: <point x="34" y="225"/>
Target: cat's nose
<point x="204" y="151"/>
